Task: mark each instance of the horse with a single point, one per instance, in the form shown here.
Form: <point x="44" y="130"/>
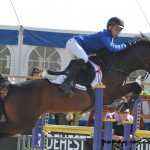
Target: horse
<point x="26" y="101"/>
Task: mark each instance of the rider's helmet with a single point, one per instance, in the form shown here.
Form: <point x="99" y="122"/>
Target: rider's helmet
<point x="116" y="21"/>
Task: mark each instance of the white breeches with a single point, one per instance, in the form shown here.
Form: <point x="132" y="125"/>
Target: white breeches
<point x="74" y="50"/>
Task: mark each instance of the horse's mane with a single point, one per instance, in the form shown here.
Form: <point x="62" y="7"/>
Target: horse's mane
<point x="142" y="38"/>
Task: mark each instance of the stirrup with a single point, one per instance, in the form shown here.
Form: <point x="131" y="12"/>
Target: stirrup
<point x="66" y="88"/>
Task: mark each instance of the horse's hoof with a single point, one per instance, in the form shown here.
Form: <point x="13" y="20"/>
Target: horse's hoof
<point x="120" y="108"/>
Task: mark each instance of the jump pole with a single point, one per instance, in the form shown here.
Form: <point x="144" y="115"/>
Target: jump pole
<point x="136" y="120"/>
<point x="136" y="124"/>
<point x="35" y="132"/>
<point x="127" y="129"/>
<point x="142" y="133"/>
<point x="108" y="133"/>
<point x="98" y="117"/>
<point x="35" y="138"/>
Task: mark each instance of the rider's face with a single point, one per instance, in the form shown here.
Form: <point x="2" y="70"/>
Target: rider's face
<point x="115" y="30"/>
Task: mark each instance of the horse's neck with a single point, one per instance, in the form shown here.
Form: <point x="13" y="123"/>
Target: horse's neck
<point x="139" y="58"/>
<point x="129" y="60"/>
<point x="135" y="58"/>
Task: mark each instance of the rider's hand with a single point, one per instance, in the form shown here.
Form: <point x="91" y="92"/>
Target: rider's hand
<point x="128" y="44"/>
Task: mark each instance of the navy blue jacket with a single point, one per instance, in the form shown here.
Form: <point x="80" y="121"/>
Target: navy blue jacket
<point x="91" y="43"/>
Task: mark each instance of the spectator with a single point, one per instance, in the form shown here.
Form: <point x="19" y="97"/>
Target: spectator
<point x="118" y="127"/>
<point x="60" y="119"/>
<point x="36" y="72"/>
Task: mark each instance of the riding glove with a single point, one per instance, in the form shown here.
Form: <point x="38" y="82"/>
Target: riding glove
<point x="128" y="44"/>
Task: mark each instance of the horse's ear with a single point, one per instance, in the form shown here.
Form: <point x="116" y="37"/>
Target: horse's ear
<point x="141" y="36"/>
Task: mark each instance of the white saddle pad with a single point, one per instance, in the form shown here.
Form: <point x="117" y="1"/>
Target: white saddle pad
<point x="60" y="79"/>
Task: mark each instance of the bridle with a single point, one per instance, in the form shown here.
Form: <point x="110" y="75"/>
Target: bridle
<point x="144" y="63"/>
<point x="147" y="67"/>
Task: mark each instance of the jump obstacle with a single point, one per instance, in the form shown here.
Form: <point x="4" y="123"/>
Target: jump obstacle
<point x="95" y="131"/>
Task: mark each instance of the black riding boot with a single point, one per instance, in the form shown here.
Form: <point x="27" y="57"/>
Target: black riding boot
<point x="66" y="85"/>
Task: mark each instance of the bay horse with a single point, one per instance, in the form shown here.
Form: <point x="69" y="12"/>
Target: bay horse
<point x="28" y="100"/>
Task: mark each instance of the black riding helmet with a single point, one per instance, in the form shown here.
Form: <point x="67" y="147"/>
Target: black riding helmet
<point x="115" y="21"/>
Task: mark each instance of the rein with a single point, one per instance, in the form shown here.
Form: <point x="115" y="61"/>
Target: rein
<point x="105" y="67"/>
<point x="141" y="59"/>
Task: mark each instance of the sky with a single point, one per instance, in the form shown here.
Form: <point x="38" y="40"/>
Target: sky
<point x="81" y="15"/>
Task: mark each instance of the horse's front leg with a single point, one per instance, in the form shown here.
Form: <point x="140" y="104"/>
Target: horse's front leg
<point x="136" y="88"/>
<point x="133" y="88"/>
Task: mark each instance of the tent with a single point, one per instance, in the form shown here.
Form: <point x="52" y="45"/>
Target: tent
<point x="22" y="41"/>
<point x="37" y="37"/>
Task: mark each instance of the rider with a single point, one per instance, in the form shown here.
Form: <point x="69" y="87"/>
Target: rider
<point x="81" y="46"/>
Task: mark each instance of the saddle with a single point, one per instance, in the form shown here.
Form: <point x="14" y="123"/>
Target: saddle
<point x="84" y="77"/>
